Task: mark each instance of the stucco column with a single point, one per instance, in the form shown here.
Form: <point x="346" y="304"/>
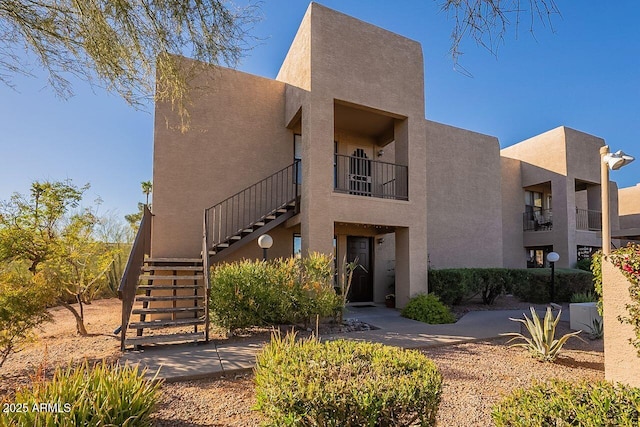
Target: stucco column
<point x="621" y="361"/>
<point x="316" y="225"/>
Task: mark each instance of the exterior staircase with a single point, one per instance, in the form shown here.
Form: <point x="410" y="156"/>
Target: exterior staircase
<point x="173" y="305"/>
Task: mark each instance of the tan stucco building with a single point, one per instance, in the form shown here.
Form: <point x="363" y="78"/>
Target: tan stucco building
<point x="335" y="155"/>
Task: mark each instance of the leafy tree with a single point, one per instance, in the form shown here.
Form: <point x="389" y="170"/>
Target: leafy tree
<point x="23" y="302"/>
<point x="29" y="225"/>
<point x="121" y="44"/>
<point x="59" y="246"/>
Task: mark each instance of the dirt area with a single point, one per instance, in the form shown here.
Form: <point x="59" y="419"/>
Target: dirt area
<point x="476" y="375"/>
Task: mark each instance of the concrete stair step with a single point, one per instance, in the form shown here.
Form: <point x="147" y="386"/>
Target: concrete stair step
<point x="164" y="339"/>
<point x="143" y="298"/>
<point x="163" y="310"/>
<point x="172" y="277"/>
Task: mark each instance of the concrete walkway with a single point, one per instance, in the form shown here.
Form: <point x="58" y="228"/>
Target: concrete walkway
<point x="187" y="361"/>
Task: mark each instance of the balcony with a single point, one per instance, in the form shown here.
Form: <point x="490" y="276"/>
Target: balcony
<point x="365" y="177"/>
<point x="538" y="220"/>
<point x="588" y="220"/>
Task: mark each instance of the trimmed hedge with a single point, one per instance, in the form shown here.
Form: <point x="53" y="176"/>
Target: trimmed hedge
<point x="537" y="286"/>
<point x="345" y="383"/>
<point x="561" y="403"/>
<point x="454" y="286"/>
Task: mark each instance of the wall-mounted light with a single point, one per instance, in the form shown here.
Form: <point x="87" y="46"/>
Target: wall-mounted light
<point x="380" y="153"/>
<point x="380" y="240"/>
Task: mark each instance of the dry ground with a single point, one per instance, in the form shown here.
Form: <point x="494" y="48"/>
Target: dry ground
<point x="475" y="374"/>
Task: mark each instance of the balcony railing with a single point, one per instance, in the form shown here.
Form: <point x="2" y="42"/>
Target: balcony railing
<point x="588" y="220"/>
<point x="539" y="220"/>
<point x="365" y="177"/>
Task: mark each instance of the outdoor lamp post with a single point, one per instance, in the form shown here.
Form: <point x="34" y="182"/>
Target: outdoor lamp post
<point x="553" y="257"/>
<point x="265" y="242"/>
<point x="613" y="161"/>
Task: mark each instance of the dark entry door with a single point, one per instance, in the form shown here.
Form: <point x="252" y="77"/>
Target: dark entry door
<point x="362" y="283"/>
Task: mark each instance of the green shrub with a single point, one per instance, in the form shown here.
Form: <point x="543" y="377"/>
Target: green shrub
<point x="535" y="285"/>
<point x="450" y="285"/>
<point x="454" y="285"/>
<point x="561" y="403"/>
<point x="102" y="396"/>
<point x="253" y="293"/>
<point x="584" y="297"/>
<point x="345" y="383"/>
<point x="428" y="309"/>
<point x="584" y="264"/>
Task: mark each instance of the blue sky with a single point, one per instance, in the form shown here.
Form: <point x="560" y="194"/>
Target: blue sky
<point x="585" y="75"/>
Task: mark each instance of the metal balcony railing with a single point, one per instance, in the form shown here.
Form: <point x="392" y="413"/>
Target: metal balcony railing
<point x="537" y="220"/>
<point x="365" y="177"/>
<point x="588" y="220"/>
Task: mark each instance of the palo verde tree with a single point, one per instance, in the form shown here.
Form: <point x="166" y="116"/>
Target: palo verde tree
<point x="57" y="242"/>
<point x="121" y="45"/>
<point x="486" y="21"/>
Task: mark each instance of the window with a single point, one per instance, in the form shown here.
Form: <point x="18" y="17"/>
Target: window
<point x="537" y="257"/>
<point x="297" y="246"/>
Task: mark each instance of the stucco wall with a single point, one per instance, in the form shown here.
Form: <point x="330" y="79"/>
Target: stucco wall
<point x="236" y="138"/>
<point x="512" y="209"/>
<point x="464" y="215"/>
<point x="629" y="206"/>
<point x="621" y="361"/>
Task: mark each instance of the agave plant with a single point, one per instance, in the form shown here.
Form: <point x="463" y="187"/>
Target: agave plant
<point x="596" y="329"/>
<point x="543" y="344"/>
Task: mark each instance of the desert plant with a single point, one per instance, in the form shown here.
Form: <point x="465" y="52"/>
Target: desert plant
<point x="562" y="403"/>
<point x="85" y="396"/>
<point x="580" y="297"/>
<point x="543" y="344"/>
<point x="345" y="383"/>
<point x="596" y="329"/>
<point x="428" y="308"/>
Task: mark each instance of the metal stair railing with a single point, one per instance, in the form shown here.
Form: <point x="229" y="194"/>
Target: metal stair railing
<point x="245" y="208"/>
<point x="130" y="278"/>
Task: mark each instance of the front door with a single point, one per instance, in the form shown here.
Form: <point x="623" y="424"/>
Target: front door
<point x="361" y="283"/>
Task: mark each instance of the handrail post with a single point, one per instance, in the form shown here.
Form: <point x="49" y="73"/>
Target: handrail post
<point x="205" y="275"/>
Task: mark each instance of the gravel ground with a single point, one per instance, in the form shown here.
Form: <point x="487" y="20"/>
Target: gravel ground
<point x="475" y="375"/>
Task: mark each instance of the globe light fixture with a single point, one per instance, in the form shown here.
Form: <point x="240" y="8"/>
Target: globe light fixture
<point x="613" y="161"/>
<point x="265" y="242"/>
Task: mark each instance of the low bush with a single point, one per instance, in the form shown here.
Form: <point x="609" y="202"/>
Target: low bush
<point x="561" y="403"/>
<point x="584" y="264"/>
<point x="450" y="285"/>
<point x="535" y="285"/>
<point x="345" y="383"/>
<point x="584" y="297"/>
<point x="82" y="396"/>
<point x="428" y="309"/>
<point x="254" y="293"/>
